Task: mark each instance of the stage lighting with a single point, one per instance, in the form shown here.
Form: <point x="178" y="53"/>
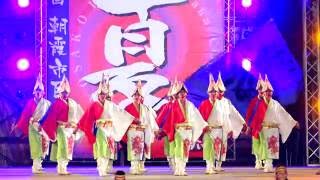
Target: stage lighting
<point x="23" y="64"/>
<point x="317" y="105"/>
<point x="317" y="38"/>
<point x="246" y="64"/>
<point x="23" y="3"/>
<point x="246" y="3"/>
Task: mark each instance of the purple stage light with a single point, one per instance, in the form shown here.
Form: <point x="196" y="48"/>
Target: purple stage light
<point x="23" y="64"/>
<point x="246" y="3"/>
<point x="246" y="64"/>
<point x="23" y="3"/>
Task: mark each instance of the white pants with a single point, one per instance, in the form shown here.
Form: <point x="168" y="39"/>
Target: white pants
<point x="137" y="167"/>
<point x="36" y="166"/>
<point x="62" y="166"/>
<point x="104" y="166"/>
<point x="180" y="167"/>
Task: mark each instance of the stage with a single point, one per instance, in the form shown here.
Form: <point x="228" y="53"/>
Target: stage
<point x="158" y="48"/>
<point x="239" y="173"/>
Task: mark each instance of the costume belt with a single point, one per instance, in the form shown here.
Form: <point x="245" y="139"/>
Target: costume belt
<point x="137" y="127"/>
<point x="185" y="126"/>
<point x="211" y="127"/>
<point x="270" y="125"/>
<point x="66" y="124"/>
<point x="104" y="123"/>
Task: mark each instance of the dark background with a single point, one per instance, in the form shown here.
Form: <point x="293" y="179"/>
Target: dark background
<point x="17" y="36"/>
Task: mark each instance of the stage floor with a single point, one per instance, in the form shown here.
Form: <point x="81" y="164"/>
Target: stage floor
<point x="79" y="173"/>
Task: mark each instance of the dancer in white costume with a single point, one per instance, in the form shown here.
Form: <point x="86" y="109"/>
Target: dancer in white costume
<point x="277" y="121"/>
<point x="141" y="132"/>
<point x="184" y="127"/>
<point x="231" y="121"/>
<point x="61" y="127"/>
<point x="210" y="112"/>
<point x="29" y="125"/>
<point x="110" y="123"/>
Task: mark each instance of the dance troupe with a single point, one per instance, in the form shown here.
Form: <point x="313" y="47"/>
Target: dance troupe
<point x="178" y="122"/>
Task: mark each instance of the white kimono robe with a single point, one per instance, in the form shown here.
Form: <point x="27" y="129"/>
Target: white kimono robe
<point x="121" y="120"/>
<point x="278" y="116"/>
<point x="231" y="114"/>
<point x="148" y="119"/>
<point x="225" y="114"/>
<point x="195" y="120"/>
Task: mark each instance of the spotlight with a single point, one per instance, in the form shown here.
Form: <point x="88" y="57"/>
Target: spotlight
<point x="246" y="64"/>
<point x="317" y="38"/>
<point x="23" y="3"/>
<point x="317" y="105"/>
<point x="23" y="64"/>
<point x="246" y="3"/>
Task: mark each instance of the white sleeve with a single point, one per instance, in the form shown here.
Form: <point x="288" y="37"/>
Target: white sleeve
<point x="285" y="121"/>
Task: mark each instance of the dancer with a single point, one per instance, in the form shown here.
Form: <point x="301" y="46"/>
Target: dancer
<point x="104" y="123"/>
<point x="29" y="125"/>
<point x="210" y="113"/>
<point x="184" y="127"/>
<point x="233" y="123"/>
<point x="163" y="116"/>
<point x="276" y="121"/>
<point x="254" y="117"/>
<point x="141" y="132"/>
<point x="61" y="127"/>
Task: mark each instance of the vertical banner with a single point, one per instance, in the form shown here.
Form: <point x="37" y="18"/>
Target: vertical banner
<point x="57" y="44"/>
